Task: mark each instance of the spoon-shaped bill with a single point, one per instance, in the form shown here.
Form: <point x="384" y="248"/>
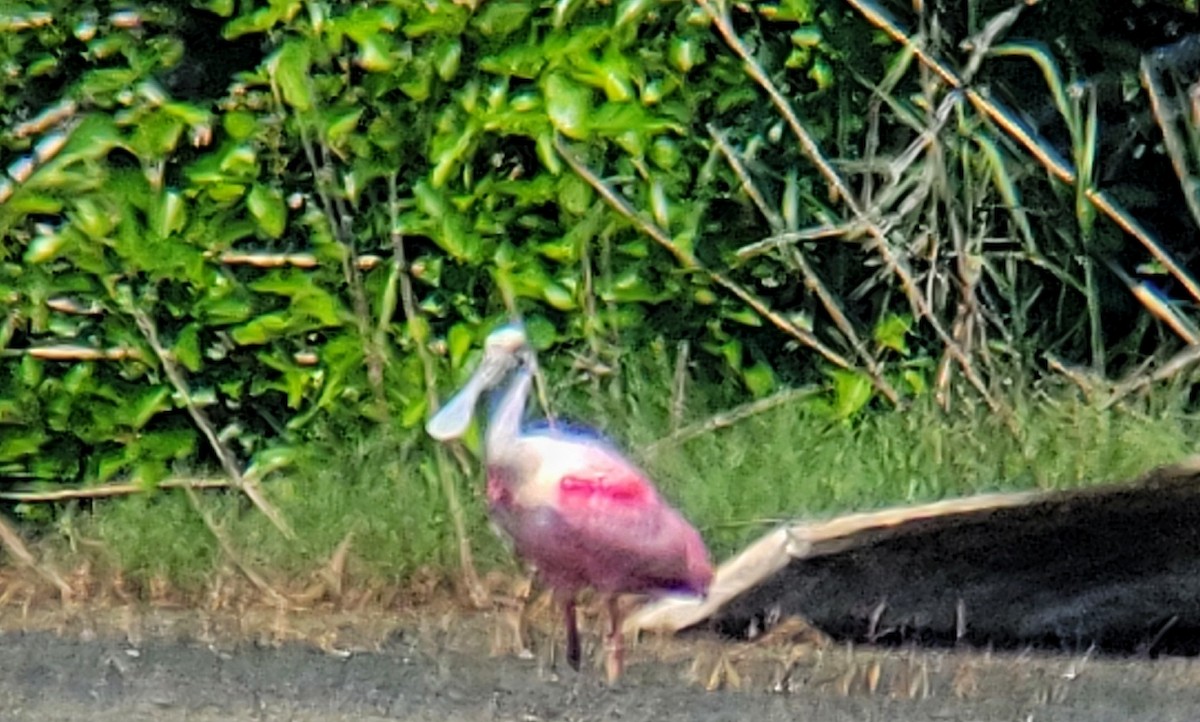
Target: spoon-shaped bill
<point x="452" y="421"/>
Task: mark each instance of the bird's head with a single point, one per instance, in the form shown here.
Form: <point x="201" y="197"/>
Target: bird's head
<point x="504" y="350"/>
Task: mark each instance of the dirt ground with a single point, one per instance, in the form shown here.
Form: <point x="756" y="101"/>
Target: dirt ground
<point x="133" y="663"/>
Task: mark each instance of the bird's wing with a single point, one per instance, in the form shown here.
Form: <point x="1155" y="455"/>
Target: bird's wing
<point x="612" y="510"/>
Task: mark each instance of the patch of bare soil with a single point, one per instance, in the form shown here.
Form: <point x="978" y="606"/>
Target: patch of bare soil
<point x="438" y="661"/>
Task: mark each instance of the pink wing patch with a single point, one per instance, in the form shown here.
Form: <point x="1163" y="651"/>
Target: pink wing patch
<point x="604" y="479"/>
<point x="589" y="490"/>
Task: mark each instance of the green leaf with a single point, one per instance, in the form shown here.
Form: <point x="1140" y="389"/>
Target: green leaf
<point x="27" y="204"/>
<point x="502" y="17"/>
<point x="223" y="8"/>
<point x="158" y="134"/>
<point x="169" y="214"/>
<point x="759" y="379"/>
<point x="264" y="328"/>
<point x="267" y="207"/>
<point x="685" y="53"/>
<point x="340" y="125"/>
<point x="558" y="296"/>
<point x="822" y="74"/>
<point x="96" y="221"/>
<point x="892" y="332"/>
<point x="732" y="352"/>
<point x="239" y="124"/>
<point x="665" y="153"/>
<point x="568" y="105"/>
<point x="31" y="372"/>
<point x="270" y="460"/>
<point x="151" y="401"/>
<point x="541" y="332"/>
<point x="45" y="247"/>
<point x="109" y="463"/>
<point x="575" y="196"/>
<point x="459" y="341"/>
<point x="240" y="161"/>
<point x="290" y="68"/>
<point x="800" y="11"/>
<point x="418" y="79"/>
<point x="147" y="474"/>
<point x="742" y="315"/>
<point x="375" y="53"/>
<point x="851" y="392"/>
<point x="306" y="296"/>
<point x="447" y="58"/>
<point x="222" y="311"/>
<point x="414" y="413"/>
<point x="630" y="11"/>
<point x="258" y="21"/>
<point x="16" y="444"/>
<point x="448" y="152"/>
<point x="916" y="381"/>
<point x="440" y="18"/>
<point x="78" y="379"/>
<point x="521" y="61"/>
<point x="187" y="347"/>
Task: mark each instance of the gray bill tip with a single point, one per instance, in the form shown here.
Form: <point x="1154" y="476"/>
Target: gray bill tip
<point x="452" y="420"/>
<point x="509" y="338"/>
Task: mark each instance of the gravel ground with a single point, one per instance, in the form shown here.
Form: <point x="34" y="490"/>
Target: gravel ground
<point x="133" y="665"/>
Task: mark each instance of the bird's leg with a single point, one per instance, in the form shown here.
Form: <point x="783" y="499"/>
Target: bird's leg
<point x="614" y="645"/>
<point x="573" y="655"/>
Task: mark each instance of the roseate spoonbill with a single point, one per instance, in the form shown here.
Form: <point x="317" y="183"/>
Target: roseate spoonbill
<point x="575" y="509"/>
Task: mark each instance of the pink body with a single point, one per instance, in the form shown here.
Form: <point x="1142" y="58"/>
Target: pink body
<point x="585" y="517"/>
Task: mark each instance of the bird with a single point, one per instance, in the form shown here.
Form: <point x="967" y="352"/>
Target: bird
<point x="573" y="507"/>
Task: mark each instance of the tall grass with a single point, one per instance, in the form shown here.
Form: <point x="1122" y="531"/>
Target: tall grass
<point x="794" y="461"/>
<point x="789" y="462"/>
<point x="734" y="483"/>
<point x="377" y="489"/>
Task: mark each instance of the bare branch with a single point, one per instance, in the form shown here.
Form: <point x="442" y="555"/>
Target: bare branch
<point x="726" y="419"/>
<point x="686" y="260"/>
<point x="1175" y="365"/>
<point x="231" y="553"/>
<point x="248" y="486"/>
<point x="11" y="541"/>
<point x="108" y="490"/>
<point x="839" y="188"/>
<point x="811" y="279"/>
<point x="364" y="262"/>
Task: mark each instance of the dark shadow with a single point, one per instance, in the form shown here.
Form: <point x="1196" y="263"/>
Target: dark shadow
<point x="1114" y="568"/>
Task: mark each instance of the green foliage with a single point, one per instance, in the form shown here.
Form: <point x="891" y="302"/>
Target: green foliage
<point x="371" y="488"/>
<point x="283" y="224"/>
<point x="156" y="535"/>
<point x="427" y="124"/>
<point x="735" y="482"/>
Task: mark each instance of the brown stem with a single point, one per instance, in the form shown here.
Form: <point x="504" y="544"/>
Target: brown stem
<point x="11" y="541"/>
<point x="839" y="188"/>
<point x="248" y="486"/>
<point x="333" y="205"/>
<point x="228" y="550"/>
<point x="811" y="279"/>
<point x="479" y="596"/>
<point x="98" y="492"/>
<point x="687" y="261"/>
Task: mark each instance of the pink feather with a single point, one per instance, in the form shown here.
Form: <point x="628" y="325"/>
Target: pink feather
<point x="598" y="522"/>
